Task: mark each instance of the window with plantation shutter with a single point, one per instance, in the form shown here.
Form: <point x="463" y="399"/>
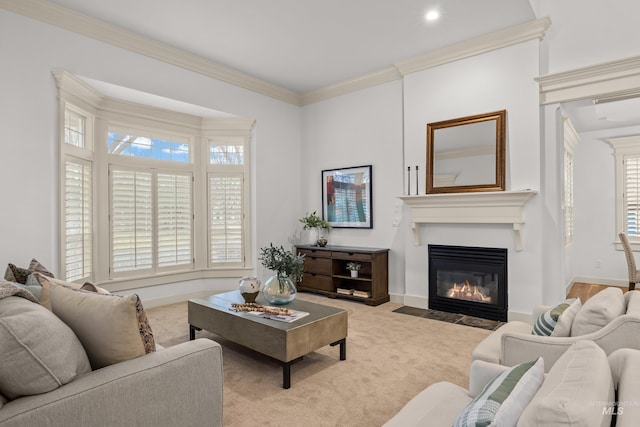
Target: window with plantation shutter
<point x="632" y="194"/>
<point x="571" y="139"/>
<point x="174" y="220"/>
<point x="78" y="212"/>
<point x="627" y="154"/>
<point x="225" y="218"/>
<point x="150" y="196"/>
<point x="151" y="221"/>
<point x="131" y="221"/>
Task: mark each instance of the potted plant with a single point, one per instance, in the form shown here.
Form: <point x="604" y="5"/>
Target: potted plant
<point x="353" y="267"/>
<point x="314" y="223"/>
<point x="280" y="289"/>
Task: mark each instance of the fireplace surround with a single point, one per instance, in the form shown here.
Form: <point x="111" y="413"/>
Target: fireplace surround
<point x="468" y="280"/>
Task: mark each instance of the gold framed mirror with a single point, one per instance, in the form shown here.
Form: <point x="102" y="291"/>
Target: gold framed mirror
<point x="467" y="154"/>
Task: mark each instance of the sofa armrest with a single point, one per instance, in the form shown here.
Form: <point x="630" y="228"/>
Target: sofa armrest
<point x="481" y="373"/>
<point x="625" y="368"/>
<point x="623" y="331"/>
<point x="180" y="385"/>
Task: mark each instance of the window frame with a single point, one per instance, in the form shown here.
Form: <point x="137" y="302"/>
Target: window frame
<point x="623" y="147"/>
<point x="107" y="113"/>
<point x="571" y="140"/>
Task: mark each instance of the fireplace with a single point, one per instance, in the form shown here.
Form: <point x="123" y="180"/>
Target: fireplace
<point x="468" y="280"/>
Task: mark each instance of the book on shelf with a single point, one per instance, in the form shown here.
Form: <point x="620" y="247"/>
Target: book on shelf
<point x="343" y="291"/>
<point x="361" y="294"/>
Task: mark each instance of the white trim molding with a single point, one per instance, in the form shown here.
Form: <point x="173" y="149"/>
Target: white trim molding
<point x="492" y="207"/>
<point x="79" y="23"/>
<point x="492" y="41"/>
<point x="614" y="79"/>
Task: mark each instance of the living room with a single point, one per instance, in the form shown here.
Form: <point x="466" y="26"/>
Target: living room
<point x="381" y="124"/>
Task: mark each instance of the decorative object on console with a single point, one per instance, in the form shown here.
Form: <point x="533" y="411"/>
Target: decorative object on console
<point x="317" y="226"/>
<point x="354" y="267"/>
<point x="346" y="197"/>
<point x="472" y="148"/>
<point x="249" y="288"/>
<point x="280" y="289"/>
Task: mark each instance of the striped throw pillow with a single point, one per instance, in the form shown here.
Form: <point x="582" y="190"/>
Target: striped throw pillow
<point x="503" y="400"/>
<point x="546" y="323"/>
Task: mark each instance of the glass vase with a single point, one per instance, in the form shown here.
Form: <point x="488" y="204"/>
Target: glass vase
<point x="279" y="290"/>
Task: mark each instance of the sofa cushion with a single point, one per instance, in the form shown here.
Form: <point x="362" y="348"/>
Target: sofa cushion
<point x="112" y="328"/>
<point x="39" y="352"/>
<point x="546" y="323"/>
<point x="502" y="400"/>
<point x="575" y="391"/>
<point x="625" y="368"/>
<point x="632" y="302"/>
<point x="437" y="405"/>
<point x="563" y="326"/>
<point x="598" y="311"/>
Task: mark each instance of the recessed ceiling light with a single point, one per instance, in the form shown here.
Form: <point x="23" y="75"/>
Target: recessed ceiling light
<point x="432" y="15"/>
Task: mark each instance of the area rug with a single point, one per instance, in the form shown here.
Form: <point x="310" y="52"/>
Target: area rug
<point x="391" y="357"/>
<point x="461" y="319"/>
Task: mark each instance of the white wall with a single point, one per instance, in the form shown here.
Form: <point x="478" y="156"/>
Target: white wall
<point x="497" y="80"/>
<point x="361" y="128"/>
<point x="30" y="50"/>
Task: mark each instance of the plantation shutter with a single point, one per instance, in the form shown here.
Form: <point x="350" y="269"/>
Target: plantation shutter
<point x="225" y="218"/>
<point x="568" y="197"/>
<point x="631" y="182"/>
<point x="131" y="220"/>
<point x="174" y="220"/>
<point x="78" y="237"/>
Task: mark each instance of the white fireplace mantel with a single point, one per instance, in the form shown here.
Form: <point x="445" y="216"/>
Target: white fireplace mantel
<point x="492" y="207"/>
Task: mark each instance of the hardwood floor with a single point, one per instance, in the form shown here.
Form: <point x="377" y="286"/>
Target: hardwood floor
<point x="586" y="290"/>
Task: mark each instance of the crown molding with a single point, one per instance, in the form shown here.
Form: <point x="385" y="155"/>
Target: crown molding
<point x="608" y="81"/>
<point x="366" y="81"/>
<point x="62" y="17"/>
<point x="99" y="30"/>
<point x="476" y="46"/>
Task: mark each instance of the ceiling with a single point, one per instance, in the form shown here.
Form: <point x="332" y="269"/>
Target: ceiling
<point x="304" y="45"/>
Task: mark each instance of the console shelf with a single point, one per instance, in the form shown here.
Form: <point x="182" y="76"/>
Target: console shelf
<point x="325" y="270"/>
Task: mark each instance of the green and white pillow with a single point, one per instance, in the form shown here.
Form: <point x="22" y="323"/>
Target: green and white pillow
<point x="503" y="400"/>
<point x="547" y="321"/>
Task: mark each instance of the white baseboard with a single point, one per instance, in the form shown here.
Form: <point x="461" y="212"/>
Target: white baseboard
<point x="173" y="299"/>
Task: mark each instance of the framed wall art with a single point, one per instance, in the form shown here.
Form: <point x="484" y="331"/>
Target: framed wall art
<point x="346" y="197"/>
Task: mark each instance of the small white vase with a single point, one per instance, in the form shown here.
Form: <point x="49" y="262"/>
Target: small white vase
<point x="314" y="233"/>
<point x="354" y="273"/>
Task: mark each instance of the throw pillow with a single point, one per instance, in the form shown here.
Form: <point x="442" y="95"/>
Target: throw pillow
<point x="547" y="321"/>
<point x="503" y="399"/>
<point x="19" y="274"/>
<point x="598" y="311"/>
<point x="112" y="328"/>
<point x="45" y="281"/>
<point x="39" y="352"/>
<point x="35" y="266"/>
<point x="563" y="327"/>
<point x="576" y="391"/>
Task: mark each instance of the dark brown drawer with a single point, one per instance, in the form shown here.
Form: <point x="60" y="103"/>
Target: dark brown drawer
<point x="317" y="265"/>
<point x="314" y="253"/>
<point x="351" y="256"/>
<point x="317" y="281"/>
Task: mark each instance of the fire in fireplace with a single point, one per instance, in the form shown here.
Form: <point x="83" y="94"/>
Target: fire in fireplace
<point x="468" y="280"/>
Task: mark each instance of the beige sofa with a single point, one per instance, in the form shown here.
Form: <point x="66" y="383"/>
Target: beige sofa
<point x="579" y="390"/>
<point x="610" y="318"/>
<point x="84" y="359"/>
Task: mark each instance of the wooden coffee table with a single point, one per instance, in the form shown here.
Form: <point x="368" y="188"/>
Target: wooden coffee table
<point x="282" y="341"/>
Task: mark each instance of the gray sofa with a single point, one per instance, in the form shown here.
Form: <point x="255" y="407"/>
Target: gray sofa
<point x="77" y="358"/>
<point x="583" y="388"/>
<point x="176" y="386"/>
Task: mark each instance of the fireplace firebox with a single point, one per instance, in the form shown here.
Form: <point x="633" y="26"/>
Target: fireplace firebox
<point x="468" y="280"/>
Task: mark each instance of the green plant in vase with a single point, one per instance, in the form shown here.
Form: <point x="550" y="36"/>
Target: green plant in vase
<point x="280" y="289"/>
<point x="313" y="222"/>
<point x="353" y="267"/>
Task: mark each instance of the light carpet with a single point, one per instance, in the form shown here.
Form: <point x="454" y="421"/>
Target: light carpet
<point x="391" y="357"/>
